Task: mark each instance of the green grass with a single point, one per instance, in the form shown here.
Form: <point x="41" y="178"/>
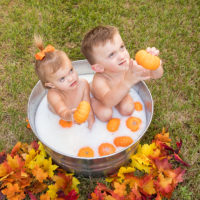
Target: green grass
<point x="171" y="26"/>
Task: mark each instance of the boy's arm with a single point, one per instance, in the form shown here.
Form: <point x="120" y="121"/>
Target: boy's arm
<point x="59" y="107"/>
<point x="86" y="97"/>
<point x="112" y="97"/>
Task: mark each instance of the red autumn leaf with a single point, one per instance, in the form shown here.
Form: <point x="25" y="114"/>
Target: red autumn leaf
<point x="35" y="145"/>
<point x="72" y="195"/>
<point x="147" y="185"/>
<point x="177" y="158"/>
<point x="164" y="185"/>
<point x="2" y="156"/>
<point x="37" y="187"/>
<point x="178" y="144"/>
<point x="175" y="174"/>
<point x="32" y="196"/>
<point x="62" y="180"/>
<point x="162" y="164"/>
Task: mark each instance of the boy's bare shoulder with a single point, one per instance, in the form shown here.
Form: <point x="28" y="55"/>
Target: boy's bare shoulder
<point x="53" y="95"/>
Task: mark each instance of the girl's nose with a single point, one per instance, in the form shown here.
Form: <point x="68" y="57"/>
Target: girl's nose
<point x="69" y="78"/>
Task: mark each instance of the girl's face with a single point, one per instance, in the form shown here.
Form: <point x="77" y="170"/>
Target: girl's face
<point x="65" y="78"/>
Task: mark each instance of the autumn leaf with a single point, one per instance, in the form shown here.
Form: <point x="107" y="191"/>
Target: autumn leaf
<point x="13" y="192"/>
<point x="120" y="189"/>
<point x="45" y="197"/>
<point x="124" y="170"/>
<point x="39" y="173"/>
<point x="15" y="163"/>
<point x="16" y="148"/>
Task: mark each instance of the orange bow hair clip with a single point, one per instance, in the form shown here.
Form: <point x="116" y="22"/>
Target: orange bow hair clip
<point x="40" y="55"/>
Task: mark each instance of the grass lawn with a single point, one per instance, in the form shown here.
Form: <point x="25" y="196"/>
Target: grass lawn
<point x="171" y="26"/>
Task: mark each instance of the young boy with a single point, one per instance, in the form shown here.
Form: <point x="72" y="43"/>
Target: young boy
<point x="115" y="73"/>
<point x="65" y="89"/>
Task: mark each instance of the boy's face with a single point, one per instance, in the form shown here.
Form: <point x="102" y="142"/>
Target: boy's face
<point x="65" y="78"/>
<point x="113" y="56"/>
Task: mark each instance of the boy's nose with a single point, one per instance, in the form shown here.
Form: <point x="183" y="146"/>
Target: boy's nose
<point x="69" y="78"/>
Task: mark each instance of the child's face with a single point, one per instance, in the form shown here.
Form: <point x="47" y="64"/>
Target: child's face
<point x="113" y="56"/>
<point x="65" y="78"/>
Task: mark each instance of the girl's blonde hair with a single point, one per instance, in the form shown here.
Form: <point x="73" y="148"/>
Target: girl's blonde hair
<point x="51" y="62"/>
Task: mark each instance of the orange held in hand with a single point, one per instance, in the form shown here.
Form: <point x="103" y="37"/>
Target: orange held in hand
<point x="147" y="60"/>
<point x="138" y="106"/>
<point x="106" y="149"/>
<point x="123" y="141"/>
<point x="82" y="112"/>
<point x="65" y="124"/>
<point x="86" y="152"/>
<point x="133" y="123"/>
<point x="113" y="124"/>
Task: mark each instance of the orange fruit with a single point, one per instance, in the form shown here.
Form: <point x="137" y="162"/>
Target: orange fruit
<point x="113" y="124"/>
<point x="137" y="106"/>
<point x="86" y="152"/>
<point x="133" y="123"/>
<point x="106" y="149"/>
<point x="65" y="124"/>
<point x="123" y="141"/>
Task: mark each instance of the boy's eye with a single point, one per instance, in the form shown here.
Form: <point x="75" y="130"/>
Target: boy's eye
<point x="62" y="79"/>
<point x="71" y="70"/>
<point x="111" y="55"/>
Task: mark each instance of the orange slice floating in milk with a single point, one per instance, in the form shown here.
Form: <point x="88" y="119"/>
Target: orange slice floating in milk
<point x="138" y="106"/>
<point x="86" y="152"/>
<point x="123" y="141"/>
<point x="65" y="124"/>
<point x="133" y="123"/>
<point x="106" y="149"/>
<point x="113" y="124"/>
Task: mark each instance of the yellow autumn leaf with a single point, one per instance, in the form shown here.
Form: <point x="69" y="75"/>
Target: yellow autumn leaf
<point x="75" y="183"/>
<point x="52" y="191"/>
<point x="30" y="156"/>
<point x="124" y="170"/>
<point x="49" y="167"/>
<point x="42" y="151"/>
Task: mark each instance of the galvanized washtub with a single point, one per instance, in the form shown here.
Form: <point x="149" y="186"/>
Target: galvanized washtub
<point x="89" y="166"/>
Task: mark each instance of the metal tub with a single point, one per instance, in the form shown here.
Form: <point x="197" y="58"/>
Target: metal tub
<point x="89" y="166"/>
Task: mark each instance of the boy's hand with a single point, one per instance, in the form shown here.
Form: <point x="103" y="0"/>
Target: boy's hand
<point x="155" y="74"/>
<point x="136" y="73"/>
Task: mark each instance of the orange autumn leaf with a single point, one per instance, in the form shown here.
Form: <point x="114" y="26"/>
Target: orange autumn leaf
<point x="62" y="180"/>
<point x="45" y="196"/>
<point x="15" y="162"/>
<point x="120" y="189"/>
<point x="16" y="148"/>
<point x="28" y="124"/>
<point x="147" y="184"/>
<point x="13" y="192"/>
<point x="39" y="173"/>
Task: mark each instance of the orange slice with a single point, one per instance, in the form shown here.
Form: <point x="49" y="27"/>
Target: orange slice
<point x="137" y="106"/>
<point x="113" y="124"/>
<point x="86" y="152"/>
<point x="65" y="124"/>
<point x="133" y="123"/>
<point x="123" y="141"/>
<point x="106" y="149"/>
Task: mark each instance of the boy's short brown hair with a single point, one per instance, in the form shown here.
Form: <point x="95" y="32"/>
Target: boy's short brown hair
<point x="96" y="36"/>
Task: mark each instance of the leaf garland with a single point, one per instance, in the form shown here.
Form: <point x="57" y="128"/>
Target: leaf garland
<point x="159" y="177"/>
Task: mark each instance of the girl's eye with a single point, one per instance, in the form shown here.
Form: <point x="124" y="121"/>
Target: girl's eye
<point x="122" y="47"/>
<point x="71" y="70"/>
<point x="62" y="79"/>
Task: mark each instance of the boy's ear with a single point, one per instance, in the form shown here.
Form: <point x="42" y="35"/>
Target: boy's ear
<point x="50" y="85"/>
<point x="97" y="68"/>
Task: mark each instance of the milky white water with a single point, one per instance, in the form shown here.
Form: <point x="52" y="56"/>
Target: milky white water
<point x="70" y="140"/>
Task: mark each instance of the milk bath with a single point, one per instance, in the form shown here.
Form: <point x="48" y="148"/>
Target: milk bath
<point x="68" y="141"/>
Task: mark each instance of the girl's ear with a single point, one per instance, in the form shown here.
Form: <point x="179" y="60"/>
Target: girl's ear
<point x="97" y="68"/>
<point x="50" y="85"/>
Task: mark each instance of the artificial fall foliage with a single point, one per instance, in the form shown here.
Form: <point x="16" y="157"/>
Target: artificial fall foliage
<point x="27" y="172"/>
<point x="159" y="178"/>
